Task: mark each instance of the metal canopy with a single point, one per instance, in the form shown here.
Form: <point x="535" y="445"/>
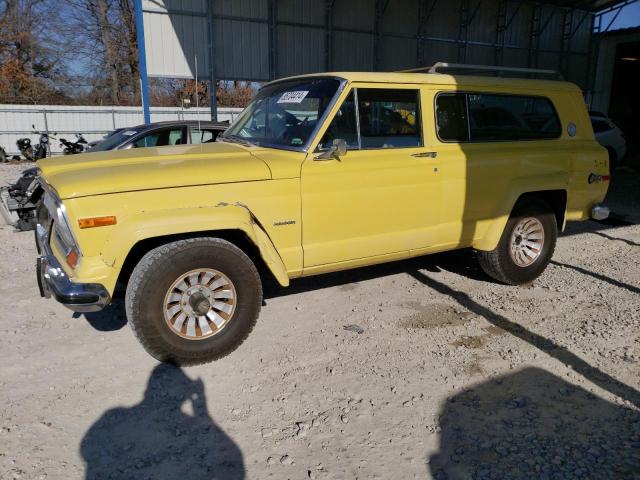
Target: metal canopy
<point x="589" y="5"/>
<point x="259" y="40"/>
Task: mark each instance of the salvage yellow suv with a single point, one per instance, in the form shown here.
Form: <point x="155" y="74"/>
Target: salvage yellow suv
<point x="319" y="173"/>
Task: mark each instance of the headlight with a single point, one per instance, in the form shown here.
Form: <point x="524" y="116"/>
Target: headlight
<point x="62" y="234"/>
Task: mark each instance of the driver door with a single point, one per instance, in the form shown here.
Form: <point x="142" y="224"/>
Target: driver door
<point x="381" y="199"/>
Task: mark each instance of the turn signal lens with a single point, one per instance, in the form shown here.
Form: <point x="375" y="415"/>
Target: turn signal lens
<point x="72" y="258"/>
<point x="96" y="222"/>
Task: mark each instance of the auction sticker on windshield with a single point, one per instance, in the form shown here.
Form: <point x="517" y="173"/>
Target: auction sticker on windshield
<point x="293" y="97"/>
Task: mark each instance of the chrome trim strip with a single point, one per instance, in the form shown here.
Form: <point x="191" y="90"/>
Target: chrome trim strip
<point x="357" y="110"/>
<point x="325" y="115"/>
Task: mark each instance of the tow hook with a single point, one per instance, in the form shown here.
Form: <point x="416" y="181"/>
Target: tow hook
<point x="595" y="178"/>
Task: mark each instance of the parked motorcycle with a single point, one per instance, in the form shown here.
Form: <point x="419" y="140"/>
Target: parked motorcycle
<point x="31" y="153"/>
<point x="71" y="148"/>
<point x="25" y="148"/>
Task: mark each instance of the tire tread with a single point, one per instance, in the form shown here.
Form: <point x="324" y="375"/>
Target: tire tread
<point x="148" y="336"/>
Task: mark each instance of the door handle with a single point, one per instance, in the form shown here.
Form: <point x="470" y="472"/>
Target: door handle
<point x="425" y="155"/>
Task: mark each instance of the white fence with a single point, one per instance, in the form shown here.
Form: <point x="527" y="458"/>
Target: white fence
<point x="93" y="122"/>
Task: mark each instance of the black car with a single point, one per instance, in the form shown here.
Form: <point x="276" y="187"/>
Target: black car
<point x="18" y="202"/>
<point x="160" y="134"/>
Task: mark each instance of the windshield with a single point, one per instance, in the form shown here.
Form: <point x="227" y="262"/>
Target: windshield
<point x="284" y="114"/>
<point x="113" y="140"/>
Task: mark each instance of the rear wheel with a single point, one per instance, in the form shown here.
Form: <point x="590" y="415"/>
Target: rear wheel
<point x="526" y="245"/>
<point x="193" y="301"/>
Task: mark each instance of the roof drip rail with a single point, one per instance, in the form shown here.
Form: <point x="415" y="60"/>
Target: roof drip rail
<point x="480" y="69"/>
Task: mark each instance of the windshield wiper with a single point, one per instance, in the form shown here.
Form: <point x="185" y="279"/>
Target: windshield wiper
<point x="236" y="139"/>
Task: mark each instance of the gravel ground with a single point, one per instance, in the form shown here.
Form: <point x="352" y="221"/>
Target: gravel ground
<point x="440" y="373"/>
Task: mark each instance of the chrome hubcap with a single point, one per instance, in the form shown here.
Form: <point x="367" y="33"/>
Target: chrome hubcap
<point x="200" y="303"/>
<point x="526" y="241"/>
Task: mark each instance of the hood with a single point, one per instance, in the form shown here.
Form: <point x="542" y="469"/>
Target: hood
<point x="151" y="168"/>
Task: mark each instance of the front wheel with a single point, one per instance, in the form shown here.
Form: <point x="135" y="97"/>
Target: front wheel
<point x="526" y="245"/>
<point x="193" y="301"/>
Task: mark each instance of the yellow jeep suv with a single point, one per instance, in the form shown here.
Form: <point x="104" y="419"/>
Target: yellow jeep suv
<point x="319" y="173"/>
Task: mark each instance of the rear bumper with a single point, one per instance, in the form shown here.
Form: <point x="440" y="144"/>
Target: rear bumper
<point x="600" y="212"/>
<point x="53" y="281"/>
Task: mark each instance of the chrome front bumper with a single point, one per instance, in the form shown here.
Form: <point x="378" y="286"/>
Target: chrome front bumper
<point x="53" y="281"/>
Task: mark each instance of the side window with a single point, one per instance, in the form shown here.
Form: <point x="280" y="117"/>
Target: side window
<point x="389" y="118"/>
<point x="160" y="138"/>
<point x="343" y="125"/>
<point x="484" y="117"/>
<point x="203" y="136"/>
<point x="511" y="117"/>
<point x="451" y="117"/>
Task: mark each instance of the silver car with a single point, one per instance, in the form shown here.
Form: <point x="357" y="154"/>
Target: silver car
<point x="610" y="137"/>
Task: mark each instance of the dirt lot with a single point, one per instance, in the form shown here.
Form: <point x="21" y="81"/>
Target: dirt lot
<point x="453" y="375"/>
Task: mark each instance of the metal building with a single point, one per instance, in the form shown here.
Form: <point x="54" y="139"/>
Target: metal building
<point x="260" y="40"/>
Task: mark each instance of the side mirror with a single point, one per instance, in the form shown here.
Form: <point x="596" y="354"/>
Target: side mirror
<point x="337" y="149"/>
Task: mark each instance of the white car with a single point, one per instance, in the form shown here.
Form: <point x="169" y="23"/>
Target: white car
<point x="609" y="136"/>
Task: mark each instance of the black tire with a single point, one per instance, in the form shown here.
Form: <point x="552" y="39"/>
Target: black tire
<point x="498" y="263"/>
<point x="155" y="273"/>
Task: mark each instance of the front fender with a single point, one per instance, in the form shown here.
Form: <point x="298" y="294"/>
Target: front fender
<point x="146" y="225"/>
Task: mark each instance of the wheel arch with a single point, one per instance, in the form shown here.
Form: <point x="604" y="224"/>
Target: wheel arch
<point x="555" y="198"/>
<point x="234" y="223"/>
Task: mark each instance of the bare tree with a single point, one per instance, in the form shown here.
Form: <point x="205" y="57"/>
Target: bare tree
<point x="105" y="32"/>
<point x="31" y="60"/>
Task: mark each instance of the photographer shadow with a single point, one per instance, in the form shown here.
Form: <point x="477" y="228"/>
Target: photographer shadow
<point x="533" y="424"/>
<point x="169" y="435"/>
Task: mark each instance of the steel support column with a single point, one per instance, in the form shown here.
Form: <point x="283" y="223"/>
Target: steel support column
<point x="328" y="35"/>
<point x="213" y="96"/>
<point x="425" y="10"/>
<point x="565" y="43"/>
<point x="501" y="29"/>
<point x="534" y="29"/>
<point x="380" y="8"/>
<point x="592" y="60"/>
<point x="273" y="38"/>
<point x="466" y="17"/>
<point x="142" y="61"/>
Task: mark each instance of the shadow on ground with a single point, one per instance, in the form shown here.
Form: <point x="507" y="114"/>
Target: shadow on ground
<point x="462" y="262"/>
<point x="548" y="346"/>
<point x="169" y="435"/>
<point x="533" y="424"/>
<point x="112" y="317"/>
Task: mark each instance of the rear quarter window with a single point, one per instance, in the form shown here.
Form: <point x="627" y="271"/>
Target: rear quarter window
<point x="483" y="117"/>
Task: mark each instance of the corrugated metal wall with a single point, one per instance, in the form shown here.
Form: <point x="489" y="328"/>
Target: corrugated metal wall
<point x="265" y="39"/>
<point x="93" y="122"/>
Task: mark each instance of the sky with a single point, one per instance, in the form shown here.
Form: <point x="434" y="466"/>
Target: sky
<point x="628" y="17"/>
